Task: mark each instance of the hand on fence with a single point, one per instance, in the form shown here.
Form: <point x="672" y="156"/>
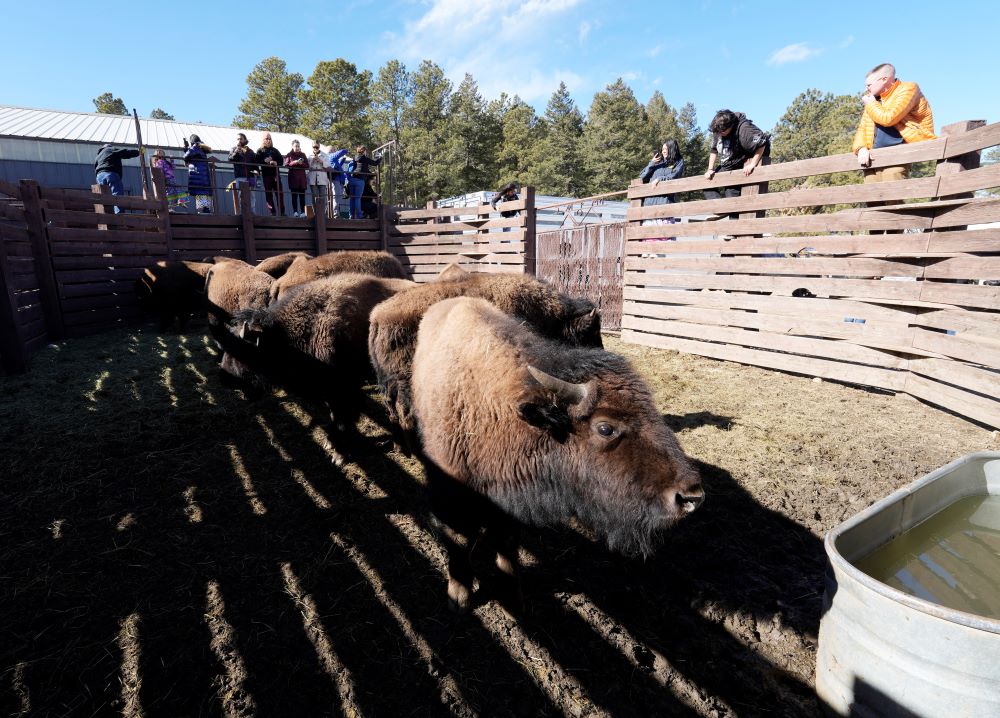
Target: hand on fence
<point x="709" y="174"/>
<point x="864" y="157"/>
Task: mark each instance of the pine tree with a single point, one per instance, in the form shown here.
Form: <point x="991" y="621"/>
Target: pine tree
<point x="108" y="104"/>
<point x="391" y="98"/>
<point x="521" y="133"/>
<point x="271" y="102"/>
<point x="470" y="149"/>
<point x="663" y="122"/>
<point x="335" y="107"/>
<point x="424" y="134"/>
<point x="694" y="146"/>
<point x="616" y="139"/>
<point x="159" y="114"/>
<point x="558" y="168"/>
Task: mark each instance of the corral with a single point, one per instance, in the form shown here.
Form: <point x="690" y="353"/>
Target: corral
<point x="171" y="547"/>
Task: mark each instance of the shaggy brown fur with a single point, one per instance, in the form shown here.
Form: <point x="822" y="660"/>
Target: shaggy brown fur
<point x="232" y="286"/>
<point x="277" y="265"/>
<point x="377" y="264"/>
<point x="394" y="323"/>
<point x="314" y="340"/>
<point x="451" y="273"/>
<point x="173" y="290"/>
<point x="589" y="444"/>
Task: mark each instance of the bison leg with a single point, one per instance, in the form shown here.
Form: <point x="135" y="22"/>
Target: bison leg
<point x="455" y="510"/>
<point x="503" y="538"/>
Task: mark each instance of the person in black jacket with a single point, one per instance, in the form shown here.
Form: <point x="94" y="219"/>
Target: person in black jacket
<point x="736" y="143"/>
<point x="270" y="160"/>
<point x="507" y="193"/>
<point x="108" y="168"/>
<point x="244" y="162"/>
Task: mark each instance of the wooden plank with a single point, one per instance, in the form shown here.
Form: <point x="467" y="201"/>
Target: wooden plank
<point x="456" y="239"/>
<point x="961" y="402"/>
<point x="345" y="245"/>
<point x="973" y="211"/>
<point x="845" y="194"/>
<point x="110" y="315"/>
<point x="913" y="245"/>
<point x="962" y="375"/>
<point x="29" y="297"/>
<point x="247" y="228"/>
<point x="970" y="180"/>
<point x="802" y="266"/>
<point x="865" y="289"/>
<point x="808" y="366"/>
<point x="319" y="226"/>
<point x="963" y="295"/>
<point x="968" y="267"/>
<point x="68" y="249"/>
<point x="415" y="250"/>
<point x="826" y="348"/>
<point x="10" y="189"/>
<point x="88" y="276"/>
<point x="18" y="249"/>
<point x="479" y="210"/>
<point x="893" y="337"/>
<point x="443" y="259"/>
<point x="976" y="352"/>
<point x="847" y="162"/>
<point x="43" y="260"/>
<point x="14" y="232"/>
<point x="850" y="220"/>
<point x="977" y="139"/>
<point x="33" y="345"/>
<point x="977" y="326"/>
<point x="973" y="240"/>
<point x="842" y="309"/>
<point x="100" y="301"/>
<point x="207" y="235"/>
<point x="24" y="282"/>
<point x="13" y="355"/>
<point x="131" y="221"/>
<point x="206" y="220"/>
<point x="98" y="235"/>
<point x="100" y="262"/>
<point x="459" y="226"/>
<point x="91" y="198"/>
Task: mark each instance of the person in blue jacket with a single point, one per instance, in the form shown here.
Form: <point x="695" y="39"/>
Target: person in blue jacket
<point x="666" y="164"/>
<point x="339" y="180"/>
<point x="199" y="179"/>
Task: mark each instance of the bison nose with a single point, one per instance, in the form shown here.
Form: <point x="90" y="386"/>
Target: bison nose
<point x="690" y="498"/>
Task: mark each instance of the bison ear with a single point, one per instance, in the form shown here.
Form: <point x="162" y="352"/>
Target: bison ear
<point x="548" y="417"/>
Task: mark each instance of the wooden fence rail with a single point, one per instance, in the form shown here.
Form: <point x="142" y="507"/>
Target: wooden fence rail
<point x="897" y="292"/>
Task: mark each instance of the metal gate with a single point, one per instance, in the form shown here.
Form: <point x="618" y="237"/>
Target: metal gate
<point x="586" y="261"/>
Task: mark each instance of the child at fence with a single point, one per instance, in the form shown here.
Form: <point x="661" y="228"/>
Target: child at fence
<point x="176" y="196"/>
<point x="199" y="179"/>
<point x="666" y="164"/>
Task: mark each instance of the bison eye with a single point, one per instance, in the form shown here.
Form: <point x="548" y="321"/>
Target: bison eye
<point x="605" y="430"/>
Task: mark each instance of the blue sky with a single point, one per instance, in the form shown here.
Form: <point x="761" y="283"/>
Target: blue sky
<point x="192" y="59"/>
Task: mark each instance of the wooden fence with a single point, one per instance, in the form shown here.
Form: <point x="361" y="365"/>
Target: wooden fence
<point x="427" y="240"/>
<point x="68" y="263"/>
<point x="900" y="296"/>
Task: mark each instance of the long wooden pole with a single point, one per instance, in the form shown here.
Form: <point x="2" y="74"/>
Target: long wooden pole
<point x="142" y="157"/>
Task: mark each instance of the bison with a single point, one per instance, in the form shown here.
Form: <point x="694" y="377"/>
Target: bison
<point x="377" y="264"/>
<point x="313" y="341"/>
<point x="173" y="290"/>
<point x="232" y="286"/>
<point x="517" y="427"/>
<point x="277" y="265"/>
<point x="393" y="334"/>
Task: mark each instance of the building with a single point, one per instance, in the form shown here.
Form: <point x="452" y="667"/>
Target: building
<point x="57" y="149"/>
<point x="561" y="217"/>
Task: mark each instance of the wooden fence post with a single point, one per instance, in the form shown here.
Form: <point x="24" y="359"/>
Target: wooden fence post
<point x="160" y="193"/>
<point x="49" y="290"/>
<point x="954" y="165"/>
<point x="319" y="225"/>
<point x="101" y="207"/>
<point x="12" y="352"/>
<point x="530" y="217"/>
<point x="383" y="226"/>
<point x="246" y="224"/>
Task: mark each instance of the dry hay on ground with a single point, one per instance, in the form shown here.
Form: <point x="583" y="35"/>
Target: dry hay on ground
<point x="169" y="548"/>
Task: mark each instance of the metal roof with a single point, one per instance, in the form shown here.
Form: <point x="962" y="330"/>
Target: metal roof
<point x="28" y="123"/>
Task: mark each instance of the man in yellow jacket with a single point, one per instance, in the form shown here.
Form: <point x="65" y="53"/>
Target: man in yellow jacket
<point x="895" y="112"/>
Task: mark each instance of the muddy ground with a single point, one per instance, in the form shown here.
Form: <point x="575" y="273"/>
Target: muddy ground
<point x="168" y="548"/>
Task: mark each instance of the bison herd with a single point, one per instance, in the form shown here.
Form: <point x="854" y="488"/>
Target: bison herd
<point x="498" y="383"/>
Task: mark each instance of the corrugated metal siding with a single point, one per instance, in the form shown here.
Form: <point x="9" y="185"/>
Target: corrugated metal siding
<point x="30" y="123"/>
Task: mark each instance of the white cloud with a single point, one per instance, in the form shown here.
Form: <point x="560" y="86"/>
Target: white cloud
<point x="799" y="52"/>
<point x="847" y="42"/>
<point x="653" y="52"/>
<point x="495" y="43"/>
<point x="630" y="76"/>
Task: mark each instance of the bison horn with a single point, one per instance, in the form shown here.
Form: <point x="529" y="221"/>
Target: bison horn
<point x="566" y="391"/>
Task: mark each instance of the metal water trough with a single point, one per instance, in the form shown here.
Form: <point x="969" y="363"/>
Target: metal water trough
<point x="883" y="652"/>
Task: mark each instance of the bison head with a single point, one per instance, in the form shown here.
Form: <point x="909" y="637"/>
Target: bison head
<point x="607" y="457"/>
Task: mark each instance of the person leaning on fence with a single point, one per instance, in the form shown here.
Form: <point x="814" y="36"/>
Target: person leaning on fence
<point x="360" y="175"/>
<point x="507" y="193"/>
<point x="736" y="142"/>
<point x="108" y="168"/>
<point x="895" y="112"/>
<point x="666" y="164"/>
<point x="199" y="178"/>
<point x="270" y="160"/>
<point x="297" y="162"/>
<point x="338" y="179"/>
<point x="318" y="175"/>
<point x="244" y="169"/>
<point x="175" y="195"/>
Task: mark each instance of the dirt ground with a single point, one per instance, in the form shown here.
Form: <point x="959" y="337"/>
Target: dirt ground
<point x="169" y="548"/>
